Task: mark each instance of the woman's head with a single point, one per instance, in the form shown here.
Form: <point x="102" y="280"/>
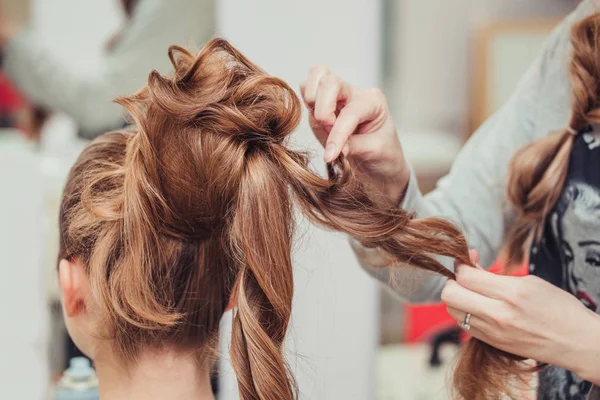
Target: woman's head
<point x="577" y="214"/>
<point x="162" y="224"/>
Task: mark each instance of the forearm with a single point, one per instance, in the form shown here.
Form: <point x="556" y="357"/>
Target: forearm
<point x="410" y="284"/>
<point x="473" y="194"/>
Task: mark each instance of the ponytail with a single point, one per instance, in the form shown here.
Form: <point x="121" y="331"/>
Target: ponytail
<point x="261" y="239"/>
<point x="341" y="204"/>
<point x="538" y="171"/>
<point x="195" y="205"/>
<point x="537" y="174"/>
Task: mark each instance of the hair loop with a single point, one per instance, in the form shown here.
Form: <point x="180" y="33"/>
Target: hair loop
<point x="204" y="194"/>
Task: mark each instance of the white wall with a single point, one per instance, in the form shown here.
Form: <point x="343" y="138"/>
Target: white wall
<point x="335" y="316"/>
<point x="431" y="48"/>
<point x="334" y="333"/>
<point x="23" y="312"/>
<point x="74" y="30"/>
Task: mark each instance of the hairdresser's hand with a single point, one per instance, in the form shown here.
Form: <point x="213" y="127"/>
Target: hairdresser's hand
<point x="357" y="122"/>
<point x="528" y="317"/>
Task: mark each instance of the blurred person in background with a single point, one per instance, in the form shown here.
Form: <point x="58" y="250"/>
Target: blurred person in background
<point x="552" y="315"/>
<point x="46" y="82"/>
<point x="86" y="96"/>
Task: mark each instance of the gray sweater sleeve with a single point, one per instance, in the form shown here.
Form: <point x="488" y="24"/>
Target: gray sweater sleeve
<point x="472" y="195"/>
<point x="87" y="96"/>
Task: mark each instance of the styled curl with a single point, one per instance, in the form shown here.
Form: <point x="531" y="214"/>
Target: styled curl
<point x="193" y="207"/>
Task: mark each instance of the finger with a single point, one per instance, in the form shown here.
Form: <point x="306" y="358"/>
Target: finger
<point x="460" y="298"/>
<point x="330" y="91"/>
<point x="346" y="149"/>
<point x="321" y="132"/>
<point x="476" y="333"/>
<point x="303" y="89"/>
<point x="367" y="146"/>
<point x="474" y="256"/>
<point x="457" y="314"/>
<point x="351" y="116"/>
<point x="312" y="83"/>
<point x="460" y="316"/>
<point x="483" y="282"/>
<point x="478" y="327"/>
<point x="482" y="333"/>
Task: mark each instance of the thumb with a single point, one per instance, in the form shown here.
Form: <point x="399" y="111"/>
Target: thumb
<point x="474" y="256"/>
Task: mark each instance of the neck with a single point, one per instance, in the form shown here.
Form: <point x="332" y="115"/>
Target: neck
<point x="155" y="375"/>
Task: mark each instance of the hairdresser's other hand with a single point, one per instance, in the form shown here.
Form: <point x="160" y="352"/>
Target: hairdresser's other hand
<point x="357" y="122"/>
<point x="529" y="317"/>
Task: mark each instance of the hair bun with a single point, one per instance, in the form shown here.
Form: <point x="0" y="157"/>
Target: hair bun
<point x="222" y="89"/>
<point x="214" y="109"/>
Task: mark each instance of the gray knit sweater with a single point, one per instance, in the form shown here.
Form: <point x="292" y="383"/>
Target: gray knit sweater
<point x="473" y="196"/>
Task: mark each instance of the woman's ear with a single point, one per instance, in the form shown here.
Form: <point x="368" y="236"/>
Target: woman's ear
<point x="72" y="280"/>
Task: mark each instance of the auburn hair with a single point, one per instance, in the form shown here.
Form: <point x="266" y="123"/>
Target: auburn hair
<point x="538" y="170"/>
<point x="536" y="177"/>
<point x="193" y="206"/>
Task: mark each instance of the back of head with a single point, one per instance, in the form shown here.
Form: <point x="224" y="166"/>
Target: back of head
<point x="187" y="210"/>
<point x="192" y="208"/>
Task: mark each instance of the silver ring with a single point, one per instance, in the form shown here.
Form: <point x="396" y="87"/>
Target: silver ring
<point x="572" y="131"/>
<point x="466" y="325"/>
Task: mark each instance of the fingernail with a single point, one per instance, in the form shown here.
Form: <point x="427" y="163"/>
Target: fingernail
<point x="330" y="150"/>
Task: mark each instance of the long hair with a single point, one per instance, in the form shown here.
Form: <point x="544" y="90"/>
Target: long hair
<point x="538" y="171"/>
<point x="537" y="174"/>
<point x="193" y="206"/>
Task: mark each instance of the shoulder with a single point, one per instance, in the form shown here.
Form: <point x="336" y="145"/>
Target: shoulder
<point x="554" y="96"/>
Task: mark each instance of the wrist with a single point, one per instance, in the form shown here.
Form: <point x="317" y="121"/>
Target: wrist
<point x="586" y="355"/>
<point x="389" y="191"/>
<point x="395" y="190"/>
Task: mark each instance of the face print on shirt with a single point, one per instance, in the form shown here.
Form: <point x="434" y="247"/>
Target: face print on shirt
<point x="577" y="223"/>
<point x="567" y="253"/>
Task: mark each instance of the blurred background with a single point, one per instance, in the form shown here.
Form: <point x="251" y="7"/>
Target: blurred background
<point x="444" y="65"/>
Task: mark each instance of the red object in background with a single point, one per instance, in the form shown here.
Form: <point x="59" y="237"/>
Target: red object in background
<point x="10" y="98"/>
<point x="16" y="112"/>
<point x="423" y="322"/>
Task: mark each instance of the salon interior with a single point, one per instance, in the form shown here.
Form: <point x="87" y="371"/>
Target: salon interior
<point x="445" y="66"/>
